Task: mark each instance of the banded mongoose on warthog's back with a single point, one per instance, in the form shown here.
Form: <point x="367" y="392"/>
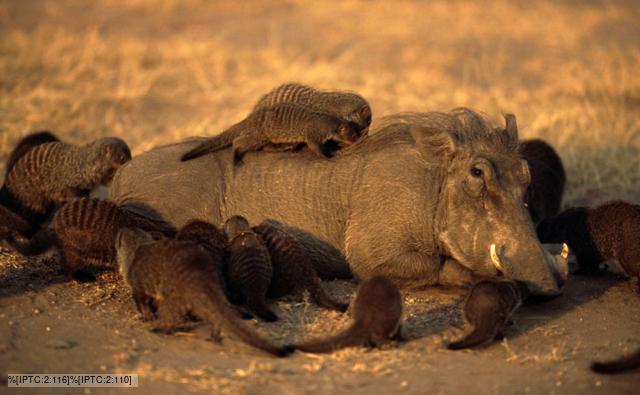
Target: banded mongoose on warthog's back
<point x="292" y="268"/>
<point x="610" y="231"/>
<point x="248" y="270"/>
<point x="548" y="178"/>
<point x="377" y="315"/>
<point x="54" y="172"/>
<point x="281" y="124"/>
<point x="489" y="308"/>
<point x="344" y="105"/>
<point x="84" y="231"/>
<point x="171" y="278"/>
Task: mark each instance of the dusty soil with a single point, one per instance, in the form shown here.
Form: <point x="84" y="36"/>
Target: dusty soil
<point x="154" y="72"/>
<point x="49" y="324"/>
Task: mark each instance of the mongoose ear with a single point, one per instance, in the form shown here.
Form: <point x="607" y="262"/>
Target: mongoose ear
<point x="434" y="145"/>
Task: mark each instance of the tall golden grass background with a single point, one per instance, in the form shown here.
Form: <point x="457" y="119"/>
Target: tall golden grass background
<point x="154" y="72"/>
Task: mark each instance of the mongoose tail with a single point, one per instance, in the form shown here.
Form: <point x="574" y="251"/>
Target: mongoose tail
<point x="42" y="241"/>
<point x="217" y="311"/>
<point x="355" y="335"/>
<point x="213" y="144"/>
<point x="480" y="335"/>
<point x="623" y="364"/>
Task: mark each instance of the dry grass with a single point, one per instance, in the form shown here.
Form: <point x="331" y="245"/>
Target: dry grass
<point x="159" y="73"/>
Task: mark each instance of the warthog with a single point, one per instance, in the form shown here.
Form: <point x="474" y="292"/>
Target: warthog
<point x="424" y="200"/>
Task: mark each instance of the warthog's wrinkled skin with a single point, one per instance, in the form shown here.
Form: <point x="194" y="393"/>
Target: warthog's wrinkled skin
<point x="420" y="200"/>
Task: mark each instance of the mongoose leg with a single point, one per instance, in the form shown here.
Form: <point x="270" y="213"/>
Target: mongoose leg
<point x="170" y="318"/>
<point x="145" y="305"/>
<point x="318" y="149"/>
<point x="243" y="144"/>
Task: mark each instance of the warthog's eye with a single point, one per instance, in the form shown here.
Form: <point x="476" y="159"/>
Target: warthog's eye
<point x="476" y="172"/>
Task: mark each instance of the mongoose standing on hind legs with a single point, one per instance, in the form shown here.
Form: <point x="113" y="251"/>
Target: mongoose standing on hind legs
<point x="248" y="269"/>
<point x="281" y="124"/>
<point x="489" y="308"/>
<point x="84" y="231"/>
<point x="344" y="105"/>
<point x="377" y="314"/>
<point x="292" y="268"/>
<point x="171" y="278"/>
<point x="54" y="172"/>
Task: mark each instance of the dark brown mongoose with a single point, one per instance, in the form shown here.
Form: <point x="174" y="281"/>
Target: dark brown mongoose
<point x="284" y="123"/>
<point x="292" y="268"/>
<point x="628" y="362"/>
<point x="610" y="231"/>
<point x="489" y="309"/>
<point x="344" y="105"/>
<point x="171" y="278"/>
<point x="377" y="315"/>
<point x="248" y="270"/>
<point x="84" y="231"/>
<point x="54" y="172"/>
<point x="548" y="178"/>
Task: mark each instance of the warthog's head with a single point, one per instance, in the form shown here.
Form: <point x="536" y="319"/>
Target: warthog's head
<point x="482" y="221"/>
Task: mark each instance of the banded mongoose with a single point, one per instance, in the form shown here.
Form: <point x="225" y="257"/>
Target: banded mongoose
<point x="344" y="105"/>
<point x="548" y="178"/>
<point x="54" y="172"/>
<point x="171" y="278"/>
<point x="609" y="231"/>
<point x="377" y="315"/>
<point x="284" y="123"/>
<point x="489" y="308"/>
<point x="10" y="221"/>
<point x="84" y="232"/>
<point x="292" y="268"/>
<point x="205" y="234"/>
<point x="248" y="270"/>
<point x="26" y="143"/>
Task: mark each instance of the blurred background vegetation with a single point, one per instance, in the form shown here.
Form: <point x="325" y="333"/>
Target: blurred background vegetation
<point x="154" y="72"/>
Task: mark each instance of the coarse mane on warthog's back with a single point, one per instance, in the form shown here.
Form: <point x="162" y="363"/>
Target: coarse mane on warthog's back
<point x="426" y="198"/>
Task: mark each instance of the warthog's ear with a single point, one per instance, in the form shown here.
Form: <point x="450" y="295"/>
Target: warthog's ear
<point x="511" y="126"/>
<point x="434" y="145"/>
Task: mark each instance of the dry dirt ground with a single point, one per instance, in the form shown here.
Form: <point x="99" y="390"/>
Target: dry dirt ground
<point x="154" y="72"/>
